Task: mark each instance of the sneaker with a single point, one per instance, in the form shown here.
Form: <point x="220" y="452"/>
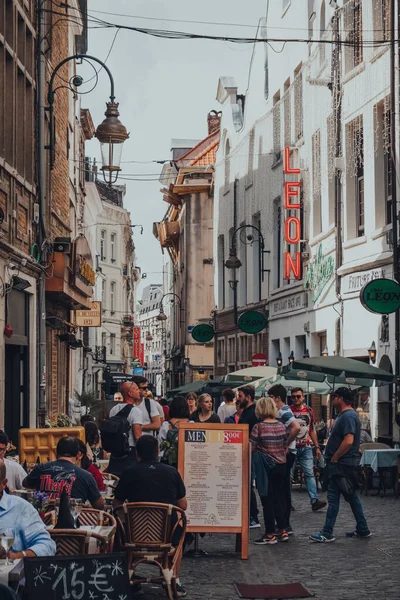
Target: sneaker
<point x="354" y="534"/>
<point x="267" y="540"/>
<point x="181" y="592"/>
<point x="318" y="504"/>
<point x="289" y="530"/>
<point x="283" y="536"/>
<point x="254" y="524"/>
<point x="321" y="537"/>
<point x="262" y="541"/>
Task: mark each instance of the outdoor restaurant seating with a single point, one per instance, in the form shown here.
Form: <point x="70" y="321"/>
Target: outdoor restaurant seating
<point x="154" y="533"/>
<point x="70" y="542"/>
<point x="367" y="472"/>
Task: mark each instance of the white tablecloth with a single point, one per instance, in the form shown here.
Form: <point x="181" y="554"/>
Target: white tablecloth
<point x="5" y="571"/>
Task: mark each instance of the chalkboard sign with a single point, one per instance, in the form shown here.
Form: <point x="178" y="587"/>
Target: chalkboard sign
<point x="92" y="577"/>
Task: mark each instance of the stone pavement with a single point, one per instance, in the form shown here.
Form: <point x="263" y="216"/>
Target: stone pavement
<point x="344" y="570"/>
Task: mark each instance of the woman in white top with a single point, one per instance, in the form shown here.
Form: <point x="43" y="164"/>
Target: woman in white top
<point x="229" y="407"/>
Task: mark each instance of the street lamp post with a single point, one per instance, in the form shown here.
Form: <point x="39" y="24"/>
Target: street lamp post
<point x="161" y="315"/>
<point x="233" y="262"/>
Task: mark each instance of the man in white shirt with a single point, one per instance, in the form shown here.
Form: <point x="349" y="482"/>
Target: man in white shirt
<point x="15" y="473"/>
<point x="131" y="395"/>
<point x="150" y="414"/>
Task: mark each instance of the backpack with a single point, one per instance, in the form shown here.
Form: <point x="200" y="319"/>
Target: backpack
<point x="170" y="447"/>
<point x="115" y="433"/>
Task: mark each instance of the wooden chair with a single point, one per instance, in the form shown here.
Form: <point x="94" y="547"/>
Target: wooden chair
<point x="154" y="534"/>
<point x="70" y="542"/>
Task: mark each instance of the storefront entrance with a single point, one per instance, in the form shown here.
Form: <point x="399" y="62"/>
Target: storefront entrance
<point x="16" y="396"/>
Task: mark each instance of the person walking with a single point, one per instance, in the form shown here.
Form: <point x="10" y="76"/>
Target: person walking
<point x="248" y="417"/>
<point x="147" y="406"/>
<point x="284" y="415"/>
<point x="306" y="438"/>
<point x="228" y="408"/>
<point x="191" y="400"/>
<point x="342" y="455"/>
<point x="131" y="394"/>
<point x="169" y="430"/>
<point x="268" y="441"/>
<point x="204" y="412"/>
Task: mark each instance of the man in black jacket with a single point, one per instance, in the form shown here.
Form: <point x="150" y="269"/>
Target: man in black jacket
<point x="246" y="398"/>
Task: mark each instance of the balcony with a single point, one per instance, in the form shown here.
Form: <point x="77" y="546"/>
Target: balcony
<point x="168" y="233"/>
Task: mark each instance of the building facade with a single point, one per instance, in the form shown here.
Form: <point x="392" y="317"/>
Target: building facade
<point x="153" y="335"/>
<point x="186" y="233"/>
<point x="327" y="227"/>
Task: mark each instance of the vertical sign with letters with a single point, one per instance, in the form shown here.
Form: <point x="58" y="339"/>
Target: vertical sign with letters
<point x="292" y="206"/>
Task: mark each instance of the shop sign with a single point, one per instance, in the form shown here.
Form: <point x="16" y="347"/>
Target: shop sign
<point x="141" y="355"/>
<point x="381" y="296"/>
<point x="292" y="206"/>
<point x="319" y="273"/>
<point x="136" y="343"/>
<point x="252" y="322"/>
<point x="89" y="318"/>
<point x="354" y="282"/>
<point x="203" y="333"/>
<point x="288" y="304"/>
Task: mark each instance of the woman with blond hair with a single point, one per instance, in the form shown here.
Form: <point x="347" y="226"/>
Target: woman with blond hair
<point x="204" y="412"/>
<point x="268" y="439"/>
<point x="191" y="400"/>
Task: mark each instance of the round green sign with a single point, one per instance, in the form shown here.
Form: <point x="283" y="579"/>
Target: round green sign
<point x="252" y="321"/>
<point x="381" y="296"/>
<point x="203" y="333"/>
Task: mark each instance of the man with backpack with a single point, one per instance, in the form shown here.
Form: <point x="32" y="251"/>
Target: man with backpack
<point x="150" y="414"/>
<point x="122" y="429"/>
<point x="306" y="437"/>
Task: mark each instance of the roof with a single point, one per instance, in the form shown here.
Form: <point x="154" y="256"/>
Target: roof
<point x="203" y="154"/>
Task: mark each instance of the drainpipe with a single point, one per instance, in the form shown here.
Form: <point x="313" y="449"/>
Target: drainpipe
<point x="41" y="166"/>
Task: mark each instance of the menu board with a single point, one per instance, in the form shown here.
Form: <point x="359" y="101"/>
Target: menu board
<point x="214" y="464"/>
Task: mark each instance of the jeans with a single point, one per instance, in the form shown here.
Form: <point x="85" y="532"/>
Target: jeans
<point x="290" y="460"/>
<point x="253" y="504"/>
<point x="333" y="510"/>
<point x="305" y="459"/>
<point x="274" y="504"/>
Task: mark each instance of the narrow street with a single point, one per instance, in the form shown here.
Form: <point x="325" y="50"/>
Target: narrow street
<point x="343" y="570"/>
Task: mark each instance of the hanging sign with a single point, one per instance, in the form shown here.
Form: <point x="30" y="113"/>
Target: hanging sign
<point x="381" y="296"/>
<point x="89" y="318"/>
<point x="292" y="206"/>
<point x="252" y="322"/>
<point x="136" y="343"/>
<point x="203" y="333"/>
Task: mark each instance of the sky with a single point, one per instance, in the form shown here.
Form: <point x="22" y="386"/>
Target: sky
<point x="165" y="89"/>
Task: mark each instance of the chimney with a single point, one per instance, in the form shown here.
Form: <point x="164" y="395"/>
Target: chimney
<point x="213" y="121"/>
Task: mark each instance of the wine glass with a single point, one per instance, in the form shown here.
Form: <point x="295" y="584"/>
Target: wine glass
<point x="7" y="537"/>
<point x="96" y="453"/>
<point x="76" y="507"/>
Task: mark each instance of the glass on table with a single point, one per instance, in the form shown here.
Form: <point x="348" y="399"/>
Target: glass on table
<point x="7" y="537"/>
<point x="76" y="507"/>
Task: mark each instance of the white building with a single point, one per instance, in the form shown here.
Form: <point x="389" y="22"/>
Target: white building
<point x="153" y="335"/>
<point x="329" y="103"/>
<point x="108" y="230"/>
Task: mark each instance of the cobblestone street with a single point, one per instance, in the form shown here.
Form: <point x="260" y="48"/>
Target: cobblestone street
<point x="345" y="570"/>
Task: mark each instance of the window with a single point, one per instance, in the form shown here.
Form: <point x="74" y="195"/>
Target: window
<point x="360" y="204"/>
<point x="277" y="252"/>
<point x="221" y="351"/>
<point x="252" y="137"/>
<point x="221" y="271"/>
<point x="353" y="26"/>
<point x="112" y="247"/>
<point x="322" y="342"/>
<point x="316" y="178"/>
<point x="103" y="294"/>
<point x="298" y="103"/>
<point x="287" y="111"/>
<point x="331" y="154"/>
<point x="243" y="349"/>
<point x="227" y="165"/>
<point x="232" y="350"/>
<point x="276" y="117"/>
<point x="388" y="168"/>
<point x="381" y="20"/>
<point x="103" y="245"/>
<point x="112" y="297"/>
<point x="112" y="344"/>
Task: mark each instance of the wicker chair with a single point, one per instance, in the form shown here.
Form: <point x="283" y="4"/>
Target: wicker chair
<point x="91" y="516"/>
<point x="71" y="542"/>
<point x="150" y="529"/>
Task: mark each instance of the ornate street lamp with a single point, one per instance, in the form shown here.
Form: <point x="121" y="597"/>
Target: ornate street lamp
<point x="291" y="357"/>
<point x="233" y="262"/>
<point x="149" y="337"/>
<point x="161" y="316"/>
<point x="372" y="353"/>
<point x="325" y="352"/>
<point x="111" y="133"/>
<point x="279" y="360"/>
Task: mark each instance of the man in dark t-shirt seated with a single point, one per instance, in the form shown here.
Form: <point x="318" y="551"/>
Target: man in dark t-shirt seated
<point x="152" y="481"/>
<point x="64" y="474"/>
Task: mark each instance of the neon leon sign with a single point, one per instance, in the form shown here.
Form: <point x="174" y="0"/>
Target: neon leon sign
<point x="292" y="261"/>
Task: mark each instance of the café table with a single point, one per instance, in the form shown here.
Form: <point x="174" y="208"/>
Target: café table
<point x="378" y="460"/>
<point x="12" y="574"/>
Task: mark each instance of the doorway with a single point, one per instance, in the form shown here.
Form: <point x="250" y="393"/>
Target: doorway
<point x="16" y="392"/>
